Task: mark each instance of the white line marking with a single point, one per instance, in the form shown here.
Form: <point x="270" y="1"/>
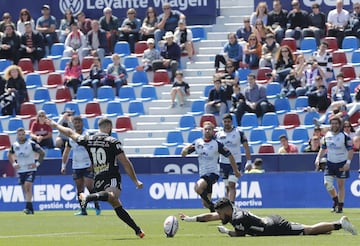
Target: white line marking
<point x="45" y="235"/>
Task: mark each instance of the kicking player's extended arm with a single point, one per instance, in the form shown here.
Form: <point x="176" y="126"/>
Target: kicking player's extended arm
<point x="64" y="130"/>
<point x="129" y="168"/>
<point x="200" y="218"/>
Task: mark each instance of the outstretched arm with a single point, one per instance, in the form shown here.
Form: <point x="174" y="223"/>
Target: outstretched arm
<point x="200" y="218"/>
<point x="64" y="130"/>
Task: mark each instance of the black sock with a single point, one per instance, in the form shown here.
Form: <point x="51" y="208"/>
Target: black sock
<point x="336" y="201"/>
<point x="341" y="205"/>
<point x="100" y="196"/>
<point x="97" y="206"/>
<point x="124" y="216"/>
<point x="29" y="206"/>
<point x="337" y="226"/>
<point x="206" y="199"/>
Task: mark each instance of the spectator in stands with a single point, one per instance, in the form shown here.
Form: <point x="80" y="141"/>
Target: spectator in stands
<point x="314" y="145"/>
<point x="46" y="25"/>
<point x="151" y="54"/>
<point x="84" y="23"/>
<point x="110" y="24"/>
<point x="340" y="92"/>
<point x="130" y="28"/>
<point x="10" y="44"/>
<point x="286" y="147"/>
<point x="216" y="102"/>
<point x="24" y="17"/>
<point x="269" y="51"/>
<point x="317" y="95"/>
<point x="244" y="32"/>
<point x="96" y="41"/>
<point x="277" y="20"/>
<point x="73" y="74"/>
<point x="294" y="79"/>
<point x="66" y="121"/>
<point x="32" y="44"/>
<point x="96" y="75"/>
<point x="6" y="19"/>
<point x="339" y="110"/>
<point x="168" y="21"/>
<point x="183" y="37"/>
<point x="310" y="72"/>
<point x="171" y="55"/>
<point x="337" y="21"/>
<point x="284" y="61"/>
<point x="317" y="21"/>
<point x="179" y="90"/>
<point x="257" y="167"/>
<point x="40" y="132"/>
<point x="252" y="51"/>
<point x="261" y="13"/>
<point x="15" y="83"/>
<point x="261" y="31"/>
<point x="7" y="99"/>
<point x="75" y="43"/>
<point x="255" y="99"/>
<point x="65" y="25"/>
<point x="232" y="51"/>
<point x="298" y="20"/>
<point x="236" y="98"/>
<point x="324" y="59"/>
<point x="353" y="28"/>
<point x="116" y="74"/>
<point x="149" y="24"/>
<point x="228" y="79"/>
<point x="348" y="129"/>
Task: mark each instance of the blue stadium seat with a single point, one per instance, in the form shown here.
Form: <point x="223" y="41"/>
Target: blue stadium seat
<point x="178" y="149"/>
<point x="199" y="33"/>
<point x="301" y="103"/>
<point x="33" y="80"/>
<point x="309" y="119"/>
<point x="186" y="123"/>
<point x="197" y="107"/>
<point x="257" y="136"/>
<point x="140" y="77"/>
<point x="63" y="62"/>
<point x="207" y="90"/>
<point x="148" y="93"/>
<point x="269" y="120"/>
<point x="353" y="84"/>
<point x="308" y="45"/>
<point x="41" y="95"/>
<point x="72" y="106"/>
<point x="114" y="108"/>
<point x="299" y="135"/>
<point x="56" y="51"/>
<point x="273" y="89"/>
<point x="127" y="93"/>
<point x="174" y="138"/>
<point x="105" y="93"/>
<point x="194" y="134"/>
<point x="14" y="124"/>
<point x="276" y="133"/>
<point x="4" y="64"/>
<point x="122" y="48"/>
<point x="135" y="108"/>
<point x="130" y="63"/>
<point x="350" y="43"/>
<point x="50" y="109"/>
<point x="106" y="61"/>
<point x="249" y="121"/>
<point x="163" y="150"/>
<point x="84" y="94"/>
<point x="54" y="153"/>
<point x="282" y="105"/>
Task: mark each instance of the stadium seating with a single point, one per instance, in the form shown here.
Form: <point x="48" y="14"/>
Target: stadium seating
<point x="140" y="47"/>
<point x="276" y="133"/>
<point x="41" y="95"/>
<point x="4" y="64"/>
<point x="86" y="64"/>
<point x="5" y="142"/>
<point x="62" y="95"/>
<point x="266" y="149"/>
<point x="27" y="110"/>
<point x="13" y="125"/>
<point x="174" y="138"/>
<point x="106" y="61"/>
<point x="54" y="80"/>
<point x="273" y="89"/>
<point x="84" y="94"/>
<point x="291" y="120"/>
<point x="186" y="123"/>
<point x="92" y="109"/>
<point x="163" y="150"/>
<point x="353" y="84"/>
<point x="348" y="72"/>
<point x="301" y="103"/>
<point x="63" y="62"/>
<point x="330" y="86"/>
<point x="289" y="42"/>
<point x="269" y="120"/>
<point x="207" y="90"/>
<point x="126" y="93"/>
<point x="140" y="77"/>
<point x="282" y="105"/>
<point x="249" y="121"/>
<point x="332" y="43"/>
<point x="72" y="105"/>
<point x="207" y="117"/>
<point x="105" y="93"/>
<point x="56" y="51"/>
<point x="299" y="135"/>
<point x="122" y="48"/>
<point x="148" y="93"/>
<point x="50" y="109"/>
<point x="161" y="77"/>
<point x="309" y="119"/>
<point x="130" y="63"/>
<point x="135" y="108"/>
<point x="33" y="80"/>
<point x="46" y="65"/>
<point x="197" y="107"/>
<point x="339" y="58"/>
<point x="26" y="65"/>
<point x="123" y="123"/>
<point x="257" y="136"/>
<point x="261" y="75"/>
<point x="194" y="134"/>
<point x="350" y="43"/>
<point x="199" y="33"/>
<point x="114" y="108"/>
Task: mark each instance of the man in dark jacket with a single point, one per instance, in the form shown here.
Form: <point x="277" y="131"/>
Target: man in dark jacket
<point x="32" y="44"/>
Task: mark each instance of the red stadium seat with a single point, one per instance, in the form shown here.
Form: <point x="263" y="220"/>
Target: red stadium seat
<point x="291" y="120"/>
<point x="86" y="63"/>
<point x="123" y="123"/>
<point x="266" y="149"/>
<point x="332" y="44"/>
<point x="289" y="42"/>
<point x="62" y="95"/>
<point x="161" y="77"/>
<point x="26" y="65"/>
<point x="5" y="142"/>
<point x="207" y="117"/>
<point x="348" y="72"/>
<point x="54" y="80"/>
<point x="92" y="109"/>
<point x="339" y="58"/>
<point x="46" y="65"/>
<point x="354" y="119"/>
<point x="27" y="110"/>
<point x="261" y="77"/>
<point x="140" y="47"/>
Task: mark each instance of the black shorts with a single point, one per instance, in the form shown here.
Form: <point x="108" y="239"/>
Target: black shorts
<point x="82" y="173"/>
<point x="278" y="226"/>
<point x="226" y="170"/>
<point x="210" y="179"/>
<point x="332" y="169"/>
<point x="102" y="183"/>
<point x="27" y="177"/>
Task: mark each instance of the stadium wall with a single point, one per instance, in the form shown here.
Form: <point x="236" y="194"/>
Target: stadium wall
<point x="197" y="11"/>
<point x="163" y="191"/>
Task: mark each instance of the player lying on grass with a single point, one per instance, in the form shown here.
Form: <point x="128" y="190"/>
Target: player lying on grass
<point x="246" y="223"/>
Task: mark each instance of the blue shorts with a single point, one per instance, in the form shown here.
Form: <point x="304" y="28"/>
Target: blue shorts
<point x="26" y="177"/>
<point x="332" y="169"/>
<point x="210" y="179"/>
<point x="226" y="170"/>
<point x="81" y="173"/>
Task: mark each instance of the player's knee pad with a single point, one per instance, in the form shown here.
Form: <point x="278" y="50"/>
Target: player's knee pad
<point x="226" y="182"/>
<point x="233" y="179"/>
<point x="329" y="182"/>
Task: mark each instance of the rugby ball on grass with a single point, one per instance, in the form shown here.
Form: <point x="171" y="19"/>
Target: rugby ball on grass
<point x="171" y="225"/>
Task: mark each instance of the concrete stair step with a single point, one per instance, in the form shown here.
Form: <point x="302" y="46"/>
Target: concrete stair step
<point x="212" y="43"/>
<point x="202" y="65"/>
<point x="211" y="50"/>
<point x="198" y="79"/>
<point x="230" y="19"/>
<point x="237" y="10"/>
<point x="193" y="94"/>
<point x="219" y="35"/>
<point x="144" y="141"/>
<point x="144" y="134"/>
<point x="157" y="125"/>
<point x="196" y="72"/>
<point x="228" y="27"/>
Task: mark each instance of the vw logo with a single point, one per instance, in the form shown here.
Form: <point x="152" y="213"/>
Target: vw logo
<point x="75" y="6"/>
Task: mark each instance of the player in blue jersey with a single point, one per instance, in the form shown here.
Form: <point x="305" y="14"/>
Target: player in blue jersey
<point x="81" y="165"/>
<point x="104" y="151"/>
<point x="208" y="150"/>
<point x="22" y="157"/>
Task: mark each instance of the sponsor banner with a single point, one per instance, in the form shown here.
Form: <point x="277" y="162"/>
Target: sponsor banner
<point x="269" y="190"/>
<point x="203" y="10"/>
<point x="325" y="5"/>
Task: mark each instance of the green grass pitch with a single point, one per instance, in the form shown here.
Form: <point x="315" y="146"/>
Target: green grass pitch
<point x="62" y="228"/>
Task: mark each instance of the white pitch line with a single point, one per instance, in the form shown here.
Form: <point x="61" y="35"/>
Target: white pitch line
<point x="45" y="235"/>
